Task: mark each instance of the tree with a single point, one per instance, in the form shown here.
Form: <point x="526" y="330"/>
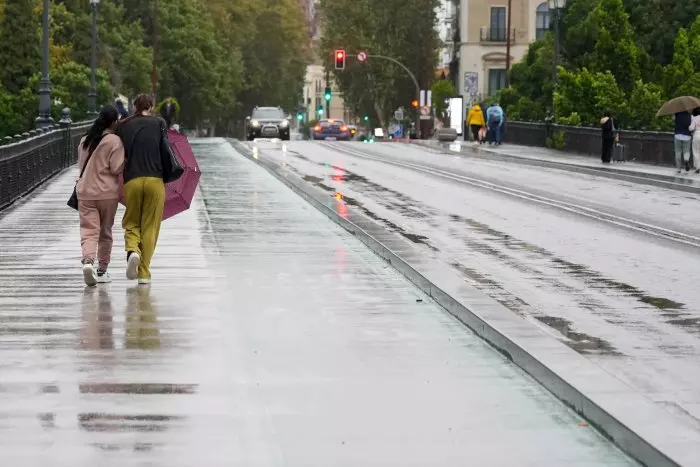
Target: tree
<point x="401" y="29"/>
<point x="441" y="91"/>
<point x="681" y="68"/>
<point x="589" y="94"/>
<point x="19" y="44"/>
<point x="644" y="102"/>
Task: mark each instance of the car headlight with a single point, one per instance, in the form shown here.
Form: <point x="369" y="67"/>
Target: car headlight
<point x="255" y="123"/>
<point x="285" y="123"/>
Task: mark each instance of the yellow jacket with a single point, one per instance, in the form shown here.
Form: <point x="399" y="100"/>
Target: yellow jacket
<point x="476" y="116"/>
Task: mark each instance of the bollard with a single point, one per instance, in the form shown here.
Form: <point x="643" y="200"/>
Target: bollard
<point x="65" y="120"/>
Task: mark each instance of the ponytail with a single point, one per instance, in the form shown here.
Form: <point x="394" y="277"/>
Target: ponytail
<point x="108" y="115"/>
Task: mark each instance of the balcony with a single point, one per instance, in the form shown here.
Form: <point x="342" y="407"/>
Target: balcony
<point x="496" y="36"/>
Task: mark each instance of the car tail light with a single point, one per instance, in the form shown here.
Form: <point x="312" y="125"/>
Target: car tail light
<point x="343" y="129"/>
<point x="317" y="128"/>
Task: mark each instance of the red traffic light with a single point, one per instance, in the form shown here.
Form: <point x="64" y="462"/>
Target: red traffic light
<point x="340" y="59"/>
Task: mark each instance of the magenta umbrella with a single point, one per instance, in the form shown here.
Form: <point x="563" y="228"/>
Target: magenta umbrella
<point x="178" y="194"/>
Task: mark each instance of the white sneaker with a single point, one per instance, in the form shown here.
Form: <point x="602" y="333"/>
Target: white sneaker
<point x="89" y="275"/>
<point x="132" y="266"/>
<point x="144" y="281"/>
<point x="104" y="278"/>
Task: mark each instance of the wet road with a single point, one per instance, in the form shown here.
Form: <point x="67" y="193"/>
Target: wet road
<point x="628" y="300"/>
<point x="270" y="337"/>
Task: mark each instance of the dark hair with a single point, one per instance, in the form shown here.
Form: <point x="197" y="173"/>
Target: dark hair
<point x="142" y="103"/>
<point x="108" y="115"/>
<point x="167" y="111"/>
<point x="696" y="111"/>
<point x="607" y="113"/>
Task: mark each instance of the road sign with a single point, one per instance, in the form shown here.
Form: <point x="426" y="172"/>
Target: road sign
<point x="362" y="57"/>
<point x="398" y="115"/>
<point x="425" y="113"/>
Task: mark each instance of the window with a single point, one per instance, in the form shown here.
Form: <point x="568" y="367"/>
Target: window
<point x="498" y="24"/>
<point x="497" y="80"/>
<point x="542" y="21"/>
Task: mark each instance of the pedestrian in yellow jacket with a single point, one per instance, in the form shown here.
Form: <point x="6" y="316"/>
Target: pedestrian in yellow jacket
<point x="476" y="120"/>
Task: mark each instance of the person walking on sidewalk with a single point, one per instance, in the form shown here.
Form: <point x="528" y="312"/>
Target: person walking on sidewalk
<point x="681" y="140"/>
<point x="495" y="117"/>
<point x="101" y="154"/>
<point x="476" y="121"/>
<point x="607" y="128"/>
<point x="695" y="128"/>
<point x="144" y="190"/>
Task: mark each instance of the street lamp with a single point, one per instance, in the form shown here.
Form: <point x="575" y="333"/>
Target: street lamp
<point x="44" y="119"/>
<point x="554" y="7"/>
<point x="92" y="93"/>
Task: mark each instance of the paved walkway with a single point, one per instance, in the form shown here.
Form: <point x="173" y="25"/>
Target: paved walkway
<point x="270" y="337"/>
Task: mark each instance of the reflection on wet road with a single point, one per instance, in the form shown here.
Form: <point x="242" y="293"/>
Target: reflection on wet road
<point x="626" y="300"/>
<point x="269" y="337"/>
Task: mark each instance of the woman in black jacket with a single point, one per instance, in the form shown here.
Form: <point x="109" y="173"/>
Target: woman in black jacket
<point x="607" y="126"/>
<point x="144" y="190"/>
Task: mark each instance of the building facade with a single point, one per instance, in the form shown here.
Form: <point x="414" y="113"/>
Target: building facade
<point x="483" y="29"/>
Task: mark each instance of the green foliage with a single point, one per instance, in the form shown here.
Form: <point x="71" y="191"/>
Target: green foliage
<point x="441" y="90"/>
<point x="626" y="56"/>
<point x="401" y="29"/>
<point x="556" y="141"/>
<point x="19" y="44"/>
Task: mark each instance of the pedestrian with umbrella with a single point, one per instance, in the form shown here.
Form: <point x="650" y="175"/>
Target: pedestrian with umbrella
<point x="149" y="163"/>
<point x="680" y="108"/>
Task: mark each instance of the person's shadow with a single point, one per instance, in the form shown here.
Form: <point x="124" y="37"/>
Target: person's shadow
<point x="97" y="332"/>
<point x="141" y="323"/>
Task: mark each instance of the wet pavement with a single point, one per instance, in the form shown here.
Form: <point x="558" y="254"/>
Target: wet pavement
<point x="269" y="337"/>
<point x="626" y="300"/>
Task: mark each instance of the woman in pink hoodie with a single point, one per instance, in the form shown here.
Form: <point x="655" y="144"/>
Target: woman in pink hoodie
<point x="98" y="193"/>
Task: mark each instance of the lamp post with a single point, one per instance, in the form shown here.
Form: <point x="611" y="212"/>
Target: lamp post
<point x="44" y="119"/>
<point x="92" y="93"/>
<point x="554" y="7"/>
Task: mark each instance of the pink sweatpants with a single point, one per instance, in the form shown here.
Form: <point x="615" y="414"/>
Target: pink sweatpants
<point x="96" y="222"/>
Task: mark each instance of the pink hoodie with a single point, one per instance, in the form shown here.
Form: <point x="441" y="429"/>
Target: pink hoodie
<point x="101" y="178"/>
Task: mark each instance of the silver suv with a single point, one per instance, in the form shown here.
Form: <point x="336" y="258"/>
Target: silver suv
<point x="267" y="122"/>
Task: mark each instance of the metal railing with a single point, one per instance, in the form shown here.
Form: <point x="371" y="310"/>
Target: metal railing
<point x="650" y="147"/>
<point x="497" y="35"/>
<point x="30" y="159"/>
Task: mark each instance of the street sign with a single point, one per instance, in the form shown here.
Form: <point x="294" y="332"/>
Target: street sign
<point x="362" y="57"/>
<point x="425" y="110"/>
<point x="398" y="115"/>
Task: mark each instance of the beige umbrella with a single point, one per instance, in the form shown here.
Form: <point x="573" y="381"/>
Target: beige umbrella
<point x="679" y="104"/>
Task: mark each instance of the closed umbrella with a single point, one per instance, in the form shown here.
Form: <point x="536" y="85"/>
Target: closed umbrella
<point x="679" y="104"/>
<point x="179" y="194"/>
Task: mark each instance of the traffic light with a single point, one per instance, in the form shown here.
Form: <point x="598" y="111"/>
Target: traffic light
<point x="414" y="103"/>
<point x="327" y="94"/>
<point x="340" y="59"/>
<point x="366" y="118"/>
<point x="300" y="116"/>
<point x="320" y="110"/>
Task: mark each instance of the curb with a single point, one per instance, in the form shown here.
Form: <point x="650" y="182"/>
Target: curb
<point x="662" y="181"/>
<point x="619" y="433"/>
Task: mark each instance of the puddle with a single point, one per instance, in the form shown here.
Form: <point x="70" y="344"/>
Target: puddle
<point x="580" y="342"/>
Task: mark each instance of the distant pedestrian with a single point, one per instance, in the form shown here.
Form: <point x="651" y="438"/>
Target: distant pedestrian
<point x="607" y="128"/>
<point x="476" y="121"/>
<point x="695" y="128"/>
<point x="495" y="118"/>
<point x="101" y="157"/>
<point x="682" y="140"/>
<point x="121" y="108"/>
<point x="168" y="112"/>
<point x="144" y="190"/>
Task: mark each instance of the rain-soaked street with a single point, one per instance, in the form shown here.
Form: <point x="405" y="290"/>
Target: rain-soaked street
<point x="272" y="337"/>
<point x="608" y="267"/>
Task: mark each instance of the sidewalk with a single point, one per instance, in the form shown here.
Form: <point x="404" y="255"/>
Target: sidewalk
<point x="270" y="337"/>
<point x="545" y="157"/>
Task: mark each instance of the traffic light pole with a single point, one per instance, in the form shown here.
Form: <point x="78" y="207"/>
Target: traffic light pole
<point x="410" y="73"/>
<point x="328" y="102"/>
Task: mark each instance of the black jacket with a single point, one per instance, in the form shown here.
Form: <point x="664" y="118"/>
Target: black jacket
<point x="608" y="127"/>
<point x="682" y="123"/>
<point x="142" y="144"/>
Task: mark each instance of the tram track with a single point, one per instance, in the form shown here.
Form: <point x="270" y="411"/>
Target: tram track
<point x="572" y="208"/>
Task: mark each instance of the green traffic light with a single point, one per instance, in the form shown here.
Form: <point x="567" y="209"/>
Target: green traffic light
<point x="328" y="97"/>
<point x="300" y="117"/>
<point x="366" y="118"/>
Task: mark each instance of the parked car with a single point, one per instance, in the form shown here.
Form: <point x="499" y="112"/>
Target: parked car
<point x="267" y="122"/>
<point x="331" y="130"/>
